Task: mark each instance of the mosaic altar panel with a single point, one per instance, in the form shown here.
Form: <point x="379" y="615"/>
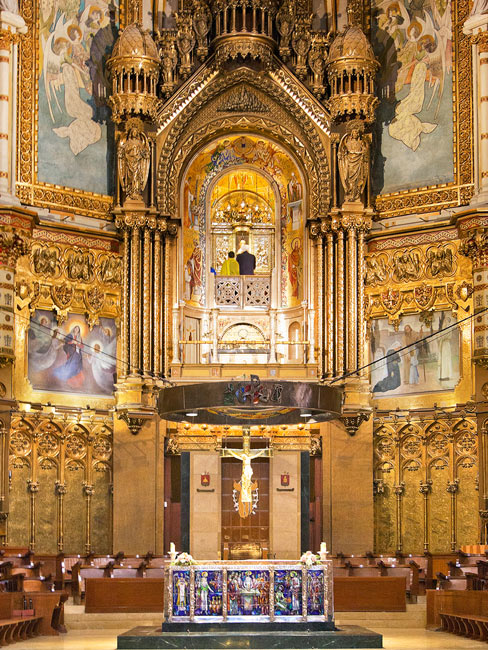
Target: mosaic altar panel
<point x="249" y="592"/>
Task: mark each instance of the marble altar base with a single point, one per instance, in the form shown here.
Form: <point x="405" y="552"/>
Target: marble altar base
<point x="267" y="636"/>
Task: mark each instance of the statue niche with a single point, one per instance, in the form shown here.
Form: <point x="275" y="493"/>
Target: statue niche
<point x="133" y="160"/>
<point x="242" y="250"/>
<point x="353" y="157"/>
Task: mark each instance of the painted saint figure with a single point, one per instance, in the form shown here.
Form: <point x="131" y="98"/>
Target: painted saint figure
<point x="181" y="594"/>
<point x="72" y="369"/>
<point x="203" y="590"/>
<point x="294" y="267"/>
<point x="393" y="378"/>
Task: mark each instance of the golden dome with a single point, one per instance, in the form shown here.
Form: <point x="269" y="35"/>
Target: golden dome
<point x="351" y="44"/>
<point x="135" y="42"/>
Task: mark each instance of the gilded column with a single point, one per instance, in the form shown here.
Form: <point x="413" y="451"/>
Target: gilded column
<point x="339" y="300"/>
<point x="176" y="336"/>
<point x="474" y="245"/>
<point x="361" y="320"/>
<point x="134" y="320"/>
<point x="352" y="297"/>
<point x="477" y="27"/>
<point x="60" y="489"/>
<point x="125" y="306"/>
<point x="157" y="301"/>
<point x="452" y="488"/>
<point x="323" y="352"/>
<point x="425" y="489"/>
<point x="272" y="336"/>
<point x="330" y="302"/>
<point x="481" y="41"/>
<point x="147" y="302"/>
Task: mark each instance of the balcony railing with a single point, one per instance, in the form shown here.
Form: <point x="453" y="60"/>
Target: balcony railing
<point x="239" y="291"/>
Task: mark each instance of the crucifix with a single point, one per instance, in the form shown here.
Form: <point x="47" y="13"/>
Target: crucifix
<point x="246" y="485"/>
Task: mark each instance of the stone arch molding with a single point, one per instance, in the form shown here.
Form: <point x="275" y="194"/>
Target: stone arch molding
<point x="201" y="122"/>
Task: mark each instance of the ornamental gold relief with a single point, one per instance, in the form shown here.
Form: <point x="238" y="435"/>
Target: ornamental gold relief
<point x="425" y="470"/>
<point x="50" y="457"/>
<point x="195" y="126"/>
<point x="416" y="279"/>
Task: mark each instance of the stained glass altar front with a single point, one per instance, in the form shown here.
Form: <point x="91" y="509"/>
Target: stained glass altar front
<point x="249" y="591"/>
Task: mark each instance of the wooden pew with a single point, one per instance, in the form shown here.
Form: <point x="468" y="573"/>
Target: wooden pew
<point x="124" y="595"/>
<point x="459" y="612"/>
<point x="372" y="594"/>
<point x="79" y="574"/>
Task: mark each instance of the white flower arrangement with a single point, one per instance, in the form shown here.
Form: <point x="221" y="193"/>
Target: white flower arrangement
<point x="309" y="559"/>
<point x="183" y="559"/>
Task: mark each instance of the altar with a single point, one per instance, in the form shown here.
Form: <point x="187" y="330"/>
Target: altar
<point x="249" y="604"/>
<point x="249" y="591"/>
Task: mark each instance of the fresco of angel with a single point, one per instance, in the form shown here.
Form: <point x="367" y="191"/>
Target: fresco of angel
<point x="75" y="36"/>
<point x="414" y="41"/>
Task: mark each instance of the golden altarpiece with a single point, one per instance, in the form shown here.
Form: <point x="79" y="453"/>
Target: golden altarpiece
<point x="343" y="147"/>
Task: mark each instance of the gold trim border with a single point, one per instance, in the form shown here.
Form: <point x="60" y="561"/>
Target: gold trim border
<point x="28" y="188"/>
<point x="459" y="192"/>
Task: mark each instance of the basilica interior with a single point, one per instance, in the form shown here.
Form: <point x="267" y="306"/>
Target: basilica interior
<point x="244" y="292"/>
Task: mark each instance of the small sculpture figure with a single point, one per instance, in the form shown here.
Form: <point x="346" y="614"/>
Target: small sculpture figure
<point x="169" y="59"/>
<point x="440" y="261"/>
<point x="353" y="158"/>
<point x="406" y="266"/>
<point x="301" y="42"/>
<point x="133" y="160"/>
<point x="185" y="41"/>
<point x="285" y="21"/>
<point x="45" y="261"/>
<point x="181" y="588"/>
<point x="202" y="20"/>
<point x="376" y="270"/>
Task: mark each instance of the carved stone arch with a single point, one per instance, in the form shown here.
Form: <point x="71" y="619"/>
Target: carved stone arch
<point x="304" y="139"/>
<point x="197" y="140"/>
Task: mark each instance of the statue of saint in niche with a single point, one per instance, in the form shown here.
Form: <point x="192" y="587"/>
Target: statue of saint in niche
<point x="353" y="158"/>
<point x="133" y="161"/>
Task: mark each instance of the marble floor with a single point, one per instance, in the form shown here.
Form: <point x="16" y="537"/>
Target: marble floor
<point x="393" y="639"/>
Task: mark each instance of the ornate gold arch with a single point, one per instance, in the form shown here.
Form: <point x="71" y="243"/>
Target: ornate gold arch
<point x="300" y="137"/>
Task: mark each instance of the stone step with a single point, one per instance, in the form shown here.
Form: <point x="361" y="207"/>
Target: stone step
<point x="77" y="619"/>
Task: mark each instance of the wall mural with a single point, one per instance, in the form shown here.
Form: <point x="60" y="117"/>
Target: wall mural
<point x="429" y="366"/>
<point x="71" y="357"/>
<point x="75" y="40"/>
<point x="413" y="43"/>
<point x="232" y="152"/>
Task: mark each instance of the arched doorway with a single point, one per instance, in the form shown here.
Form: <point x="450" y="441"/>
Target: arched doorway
<point x="241" y="191"/>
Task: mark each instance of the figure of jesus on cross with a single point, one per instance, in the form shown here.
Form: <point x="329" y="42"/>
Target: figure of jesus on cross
<point x="246" y="486"/>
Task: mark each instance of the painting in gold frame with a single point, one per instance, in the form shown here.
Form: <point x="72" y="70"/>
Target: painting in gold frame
<point x="29" y="188"/>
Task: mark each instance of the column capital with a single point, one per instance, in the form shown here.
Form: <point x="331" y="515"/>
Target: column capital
<point x="13" y="23"/>
<point x="351" y="217"/>
<point x="475" y="246"/>
<point x="145" y="219"/>
<point x="12" y="246"/>
<point x="476" y="25"/>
